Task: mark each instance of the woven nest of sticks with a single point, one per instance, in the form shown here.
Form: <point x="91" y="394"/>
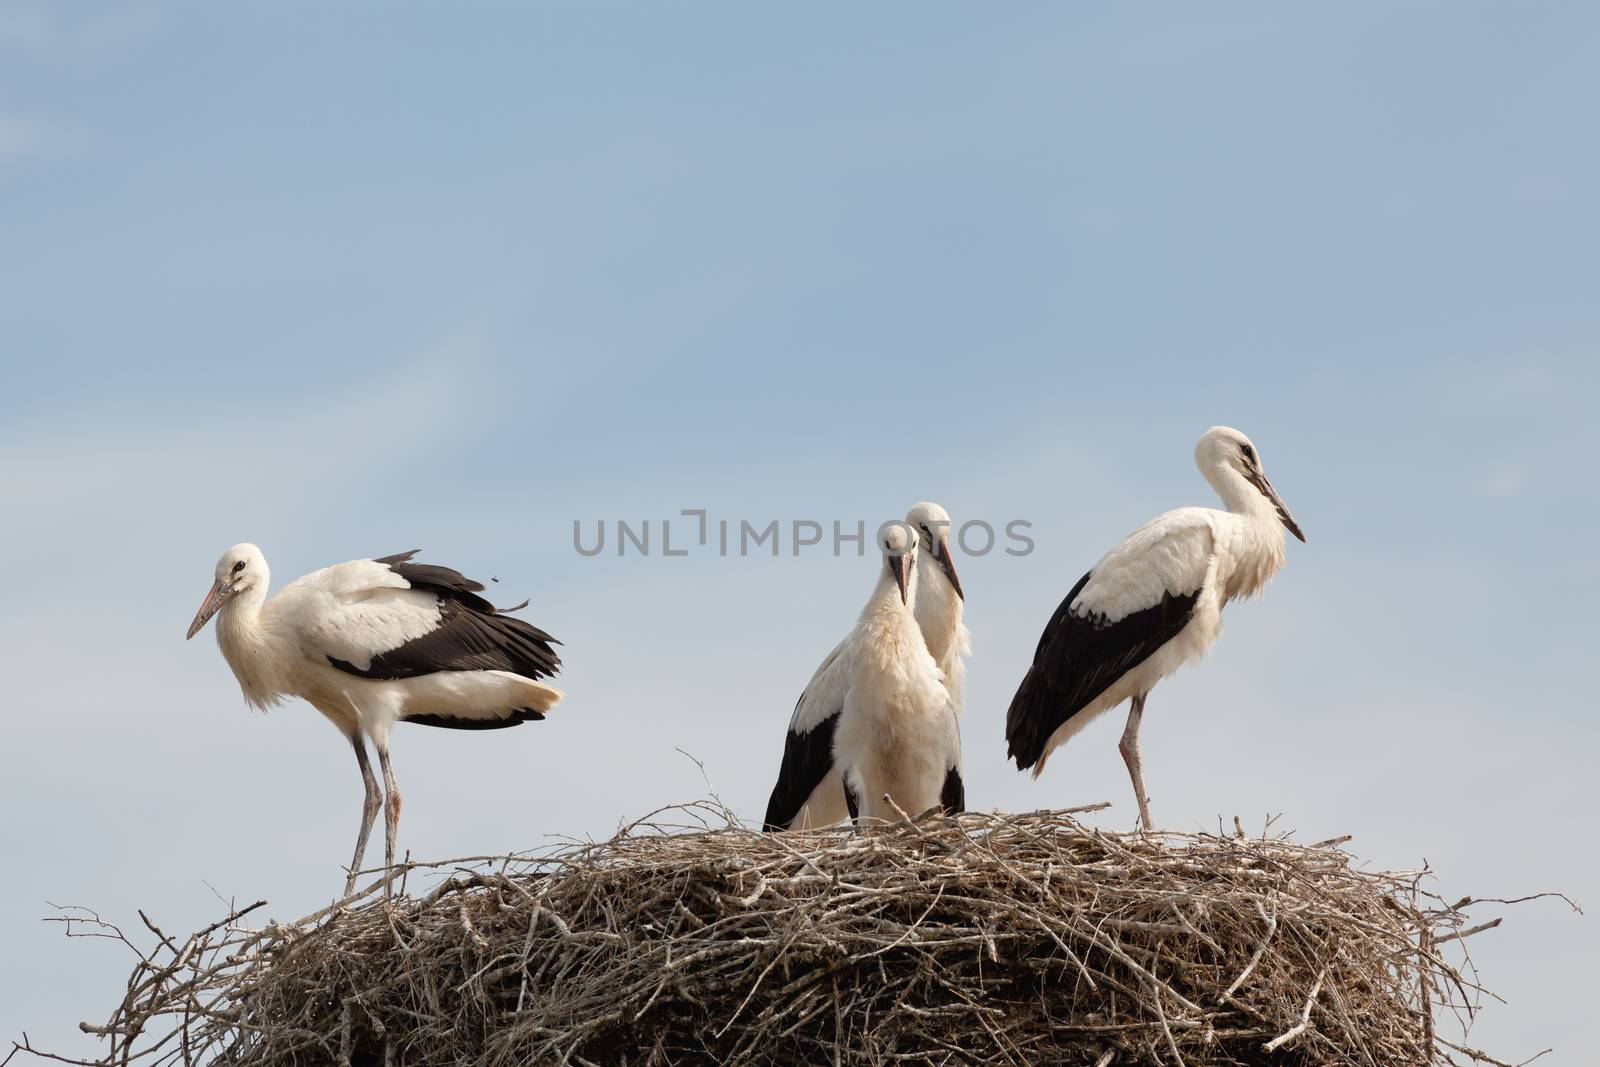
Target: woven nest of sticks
<point x="979" y="939"/>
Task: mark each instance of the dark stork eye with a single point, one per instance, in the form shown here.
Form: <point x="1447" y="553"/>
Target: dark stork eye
<point x="1248" y="453"/>
<point x="237" y="567"/>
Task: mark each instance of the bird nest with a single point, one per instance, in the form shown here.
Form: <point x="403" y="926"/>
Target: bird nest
<point x="976" y="939"/>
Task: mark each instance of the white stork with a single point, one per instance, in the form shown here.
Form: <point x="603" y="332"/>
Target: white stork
<point x="876" y="715"/>
<point x="373" y="642"/>
<point x="938" y="607"/>
<point x="1152" y="604"/>
<point x="940" y="602"/>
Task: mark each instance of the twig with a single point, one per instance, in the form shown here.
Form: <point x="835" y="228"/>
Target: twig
<point x="1305" y="1019"/>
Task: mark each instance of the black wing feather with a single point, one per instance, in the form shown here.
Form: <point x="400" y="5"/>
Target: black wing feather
<point x="472" y="635"/>
<point x="447" y="583"/>
<point x="807" y="759"/>
<point x="1081" y="656"/>
<point x="953" y="797"/>
<point x="452" y="722"/>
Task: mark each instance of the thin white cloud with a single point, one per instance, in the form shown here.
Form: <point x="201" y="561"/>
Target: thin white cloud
<point x="81" y="472"/>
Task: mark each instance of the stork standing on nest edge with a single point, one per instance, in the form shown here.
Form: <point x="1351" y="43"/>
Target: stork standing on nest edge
<point x="938" y="608"/>
<point x="1152" y="604"/>
<point x="373" y="642"/>
<point x="883" y="724"/>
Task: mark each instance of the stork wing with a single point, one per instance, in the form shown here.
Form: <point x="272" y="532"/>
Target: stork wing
<point x="953" y="794"/>
<point x="390" y="618"/>
<point x="808" y="747"/>
<point x="1135" y="600"/>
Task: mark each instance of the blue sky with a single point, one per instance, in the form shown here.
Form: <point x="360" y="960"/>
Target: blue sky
<point x="347" y="283"/>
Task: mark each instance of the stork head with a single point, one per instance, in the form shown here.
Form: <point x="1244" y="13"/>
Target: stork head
<point x="932" y="524"/>
<point x="241" y="568"/>
<point x="899" y="546"/>
<point x="1228" y="458"/>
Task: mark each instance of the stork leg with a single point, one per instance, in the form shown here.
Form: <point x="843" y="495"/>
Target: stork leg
<point x="391" y="805"/>
<point x="369" y="809"/>
<point x="1129" y="747"/>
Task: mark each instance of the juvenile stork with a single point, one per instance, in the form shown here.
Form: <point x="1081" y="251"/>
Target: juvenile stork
<point x="938" y="607"/>
<point x="373" y="642"/>
<point x="876" y="715"/>
<point x="940" y="602"/>
<point x="1152" y="604"/>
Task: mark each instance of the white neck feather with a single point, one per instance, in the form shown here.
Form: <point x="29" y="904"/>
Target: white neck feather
<point x="886" y="594"/>
<point x="1259" y="550"/>
<point x="1238" y="495"/>
<point x="885" y="621"/>
<point x="938" y="612"/>
<point x="249" y="648"/>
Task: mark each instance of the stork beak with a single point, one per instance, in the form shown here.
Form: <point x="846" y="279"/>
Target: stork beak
<point x="897" y="564"/>
<point x="948" y="565"/>
<point x="1258" y="478"/>
<point x="209" y="606"/>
